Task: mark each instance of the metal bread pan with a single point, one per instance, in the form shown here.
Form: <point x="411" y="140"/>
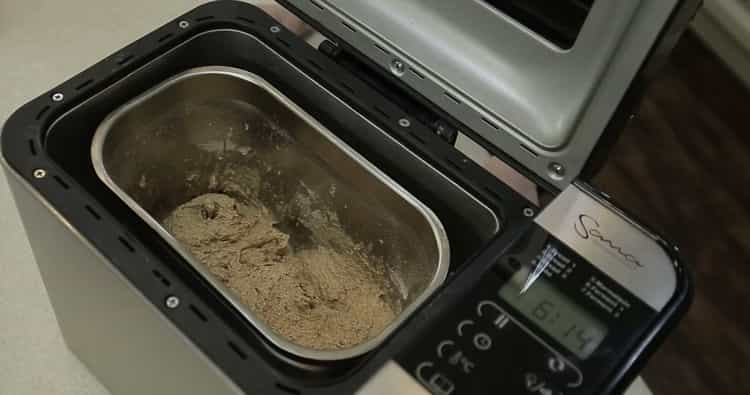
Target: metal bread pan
<point x="195" y="132"/>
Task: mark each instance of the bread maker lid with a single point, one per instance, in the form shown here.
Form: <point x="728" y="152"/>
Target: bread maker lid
<point x="541" y="92"/>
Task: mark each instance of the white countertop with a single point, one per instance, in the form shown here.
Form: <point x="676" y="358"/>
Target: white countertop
<point x="42" y="43"/>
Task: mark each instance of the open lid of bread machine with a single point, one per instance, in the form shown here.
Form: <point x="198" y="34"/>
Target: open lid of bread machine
<point x="535" y="82"/>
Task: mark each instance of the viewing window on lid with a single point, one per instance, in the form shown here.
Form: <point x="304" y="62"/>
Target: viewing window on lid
<point x="558" y="21"/>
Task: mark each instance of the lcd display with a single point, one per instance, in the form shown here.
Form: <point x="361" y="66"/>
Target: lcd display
<point x="555" y="313"/>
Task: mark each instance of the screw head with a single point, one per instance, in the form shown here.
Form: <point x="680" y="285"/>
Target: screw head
<point x="398" y="67"/>
<point x="275" y="29"/>
<point x="528" y="212"/>
<point x="57" y="96"/>
<point x="172" y="302"/>
<point x="40" y="173"/>
<point x="183" y="24"/>
<point x="404" y="123"/>
<point x="556" y="170"/>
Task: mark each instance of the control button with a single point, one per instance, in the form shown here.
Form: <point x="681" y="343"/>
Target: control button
<point x="462" y="362"/>
<point x="437" y="383"/>
<point x="577" y="381"/>
<point x="535" y="385"/>
<point x="501" y="321"/>
<point x="447" y="349"/>
<point x="462" y="325"/>
<point x="487" y="304"/>
<point x="485" y="307"/>
<point x="482" y="341"/>
<point x="443" y="346"/>
<point x="563" y="371"/>
<point x="441" y="385"/>
<point x="555" y="364"/>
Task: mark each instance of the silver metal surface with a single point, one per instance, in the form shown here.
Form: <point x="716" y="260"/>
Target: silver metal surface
<point x="110" y="326"/>
<point x="404" y="123"/>
<point x="164" y="148"/>
<point x="183" y="24"/>
<point x="392" y="379"/>
<point x="275" y="29"/>
<point x="534" y="101"/>
<point x="557" y="170"/>
<point x="57" y="96"/>
<point x="398" y="67"/>
<point x="613" y="243"/>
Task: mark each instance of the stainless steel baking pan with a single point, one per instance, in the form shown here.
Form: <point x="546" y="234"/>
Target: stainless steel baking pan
<point x="170" y="144"/>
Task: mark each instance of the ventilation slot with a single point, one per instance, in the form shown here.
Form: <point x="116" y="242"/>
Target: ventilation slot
<point x="417" y="137"/>
<point x="93" y="212"/>
<point x="124" y="60"/>
<point x="84" y="84"/>
<point x="346" y="86"/>
<point x="248" y="20"/>
<point x="281" y="40"/>
<point x="492" y="124"/>
<point x="204" y="18"/>
<point x="62" y="182"/>
<point x="382" y="112"/>
<point x="165" y="37"/>
<point x="126" y="244"/>
<point x="417" y="73"/>
<point x="198" y="313"/>
<point x="494" y="194"/>
<point x="454" y="98"/>
<point x="455" y="165"/>
<point x="161" y="278"/>
<point x="348" y="26"/>
<point x="237" y="350"/>
<point x="315" y="64"/>
<point x="318" y="6"/>
<point x="529" y="151"/>
<point x="32" y="147"/>
<point x="41" y="112"/>
<point x="288" y="390"/>
<point x="383" y="50"/>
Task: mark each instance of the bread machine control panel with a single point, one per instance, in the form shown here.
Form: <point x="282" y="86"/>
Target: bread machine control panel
<point x="560" y="313"/>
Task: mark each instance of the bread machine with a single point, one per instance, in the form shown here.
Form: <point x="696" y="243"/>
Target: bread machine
<point x="501" y="294"/>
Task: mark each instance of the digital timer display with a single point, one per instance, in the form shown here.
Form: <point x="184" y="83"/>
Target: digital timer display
<point x="556" y="314"/>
